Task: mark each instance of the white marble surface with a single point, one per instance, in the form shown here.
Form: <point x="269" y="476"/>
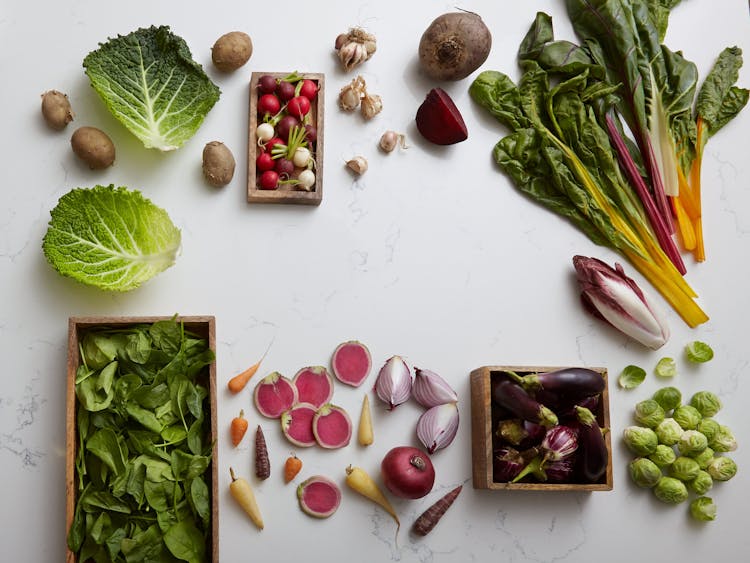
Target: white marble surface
<point x="431" y="255"/>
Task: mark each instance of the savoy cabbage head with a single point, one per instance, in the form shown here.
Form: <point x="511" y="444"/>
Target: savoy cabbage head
<point x="151" y="84"/>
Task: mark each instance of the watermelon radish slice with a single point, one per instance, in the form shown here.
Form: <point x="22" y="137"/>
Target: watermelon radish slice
<point x="319" y="496"/>
<point x="297" y="424"/>
<point x="274" y="394"/>
<point x="331" y="427"/>
<point x="351" y="363"/>
<point x="314" y="385"/>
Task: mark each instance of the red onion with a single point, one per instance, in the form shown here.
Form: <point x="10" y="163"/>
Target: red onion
<point x="437" y="426"/>
<point x="408" y="472"/>
<point x="431" y="390"/>
<point x="393" y="384"/>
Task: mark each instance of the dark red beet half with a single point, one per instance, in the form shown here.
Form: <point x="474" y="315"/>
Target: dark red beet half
<point x="439" y="120"/>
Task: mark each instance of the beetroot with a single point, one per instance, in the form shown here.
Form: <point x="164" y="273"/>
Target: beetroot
<point x="297" y="424"/>
<point x="319" y="496"/>
<point x="331" y="427"/>
<point x="274" y="394"/>
<point x="314" y="385"/>
<point x="351" y="363"/>
<point x="439" y="120"/>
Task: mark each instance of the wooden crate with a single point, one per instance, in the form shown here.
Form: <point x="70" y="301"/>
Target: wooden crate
<point x="204" y="326"/>
<point x="285" y="193"/>
<point x="482" y="430"/>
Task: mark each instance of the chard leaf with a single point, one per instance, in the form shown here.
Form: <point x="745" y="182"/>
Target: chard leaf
<point x="111" y="238"/>
<point x="719" y="100"/>
<point x="151" y="84"/>
<point x="497" y="93"/>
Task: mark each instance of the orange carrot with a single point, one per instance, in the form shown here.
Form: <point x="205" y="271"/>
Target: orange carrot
<point x="292" y="466"/>
<point x="238" y="428"/>
<point x="238" y="382"/>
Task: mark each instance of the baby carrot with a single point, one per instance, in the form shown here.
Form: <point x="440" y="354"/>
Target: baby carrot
<point x="238" y="382"/>
<point x="238" y="428"/>
<point x="262" y="464"/>
<point x="242" y="492"/>
<point x="359" y="481"/>
<point x="364" y="432"/>
<point x="292" y="466"/>
<point x="426" y="522"/>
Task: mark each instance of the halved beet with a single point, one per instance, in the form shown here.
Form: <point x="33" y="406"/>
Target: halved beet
<point x="331" y="427"/>
<point x="274" y="394"/>
<point x="319" y="496"/>
<point x="314" y="385"/>
<point x="351" y="363"/>
<point x="297" y="424"/>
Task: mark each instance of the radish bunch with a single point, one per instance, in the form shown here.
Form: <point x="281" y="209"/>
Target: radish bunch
<point x="286" y="135"/>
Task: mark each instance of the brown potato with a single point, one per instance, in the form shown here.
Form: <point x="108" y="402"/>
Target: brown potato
<point x="231" y="51"/>
<point x="56" y="109"/>
<point x="218" y="164"/>
<point x="94" y="147"/>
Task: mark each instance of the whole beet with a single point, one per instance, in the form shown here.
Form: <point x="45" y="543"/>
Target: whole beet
<point x="454" y="45"/>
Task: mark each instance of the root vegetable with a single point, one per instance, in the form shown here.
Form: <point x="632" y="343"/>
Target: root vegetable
<point x="365" y="435"/>
<point x="439" y="121"/>
<point x="351" y="363"/>
<point x="430" y="517"/>
<point x="268" y="104"/>
<point x="296" y="424"/>
<point x="56" y="109"/>
<point x="306" y="180"/>
<point x="231" y="51"/>
<point x="351" y="95"/>
<point x="332" y="427"/>
<point x="218" y="164"/>
<point x="264" y="132"/>
<point x="361" y="482"/>
<point x="454" y="45"/>
<point x="269" y="180"/>
<point x="393" y="384"/>
<point x="407" y="472"/>
<point x="239" y="381"/>
<point x="94" y="147"/>
<point x="267" y="84"/>
<point x="292" y="466"/>
<point x="238" y="428"/>
<point x="301" y="157"/>
<point x="262" y="463"/>
<point x="355" y="47"/>
<point x="274" y="394"/>
<point x="299" y="107"/>
<point x="242" y="492"/>
<point x="314" y="385"/>
<point x="319" y="496"/>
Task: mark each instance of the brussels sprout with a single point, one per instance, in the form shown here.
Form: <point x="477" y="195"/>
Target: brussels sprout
<point x="668" y="397"/>
<point x="707" y="403"/>
<point x="663" y="456"/>
<point x="649" y="413"/>
<point x="687" y="416"/>
<point x="671" y="490"/>
<point x="698" y="352"/>
<point x="666" y="367"/>
<point x="692" y="442"/>
<point x="722" y="468"/>
<point x="704" y="458"/>
<point x="641" y="441"/>
<point x="703" y="508"/>
<point x="644" y="472"/>
<point x="702" y="483"/>
<point x="723" y="440"/>
<point x="685" y="468"/>
<point x="668" y="432"/>
<point x="708" y="427"/>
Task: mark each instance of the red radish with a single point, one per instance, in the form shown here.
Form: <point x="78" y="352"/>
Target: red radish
<point x="264" y="162"/>
<point x="308" y="89"/>
<point x="274" y="394"/>
<point x="318" y="496"/>
<point x="296" y="424"/>
<point x="351" y="363"/>
<point x="269" y="180"/>
<point x="332" y="427"/>
<point x="284" y="167"/>
<point x="408" y="472"/>
<point x="285" y="90"/>
<point x="285" y="125"/>
<point x="314" y="385"/>
<point x="267" y="84"/>
<point x="439" y="120"/>
<point x="298" y="106"/>
<point x="311" y="133"/>
<point x="268" y="104"/>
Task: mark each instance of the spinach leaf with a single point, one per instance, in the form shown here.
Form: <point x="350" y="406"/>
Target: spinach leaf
<point x="95" y="392"/>
<point x="200" y="499"/>
<point x="106" y="445"/>
<point x="185" y="542"/>
<point x="188" y="466"/>
<point x="162" y="495"/>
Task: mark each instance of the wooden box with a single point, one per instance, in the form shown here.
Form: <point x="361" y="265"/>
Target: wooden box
<point x="482" y="429"/>
<point x="285" y="193"/>
<point x="203" y="326"/>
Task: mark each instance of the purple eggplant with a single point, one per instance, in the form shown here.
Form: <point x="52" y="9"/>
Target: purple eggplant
<point x="571" y="383"/>
<point x="512" y="397"/>
<point x="561" y="471"/>
<point x="593" y="456"/>
<point x="568" y="411"/>
<point x="506" y="464"/>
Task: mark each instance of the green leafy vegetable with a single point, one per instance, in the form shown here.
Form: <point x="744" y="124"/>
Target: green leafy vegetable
<point x="151" y="84"/>
<point x="666" y="367"/>
<point x="631" y="377"/>
<point x="112" y="238"/>
<point x="699" y="352"/>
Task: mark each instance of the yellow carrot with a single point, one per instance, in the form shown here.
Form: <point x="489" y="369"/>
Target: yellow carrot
<point x="364" y="432"/>
<point x="359" y="481"/>
<point x="243" y="493"/>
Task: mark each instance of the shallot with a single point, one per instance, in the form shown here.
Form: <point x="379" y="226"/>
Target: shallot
<point x="437" y="427"/>
<point x="393" y="384"/>
<point x="431" y="390"/>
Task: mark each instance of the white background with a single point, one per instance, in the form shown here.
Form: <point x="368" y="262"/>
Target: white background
<point x="431" y="255"/>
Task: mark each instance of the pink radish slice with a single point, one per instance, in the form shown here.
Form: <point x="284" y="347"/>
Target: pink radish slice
<point x="314" y="385"/>
<point x="297" y="424"/>
<point x="351" y="363"/>
<point x="274" y="394"/>
<point x="318" y="496"/>
<point x="332" y="427"/>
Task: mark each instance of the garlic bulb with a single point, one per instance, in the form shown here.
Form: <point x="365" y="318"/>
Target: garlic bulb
<point x="351" y="94"/>
<point x="355" y="47"/>
<point x="372" y="105"/>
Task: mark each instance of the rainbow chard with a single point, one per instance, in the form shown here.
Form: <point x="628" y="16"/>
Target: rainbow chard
<point x="609" y="294"/>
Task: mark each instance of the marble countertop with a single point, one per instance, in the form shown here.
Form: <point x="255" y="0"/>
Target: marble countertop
<point x="431" y="255"/>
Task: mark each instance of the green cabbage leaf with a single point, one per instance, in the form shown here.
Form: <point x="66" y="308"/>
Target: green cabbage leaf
<point x="111" y="238"/>
<point x="149" y="81"/>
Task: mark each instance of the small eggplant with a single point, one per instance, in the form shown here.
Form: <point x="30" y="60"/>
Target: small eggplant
<point x="511" y="396"/>
<point x="593" y="456"/>
<point x="520" y="433"/>
<point x="561" y="471"/>
<point x="559" y="442"/>
<point x="506" y="464"/>
<point x="572" y="383"/>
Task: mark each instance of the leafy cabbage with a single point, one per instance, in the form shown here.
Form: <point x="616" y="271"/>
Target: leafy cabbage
<point x="151" y="84"/>
<point x="112" y="238"/>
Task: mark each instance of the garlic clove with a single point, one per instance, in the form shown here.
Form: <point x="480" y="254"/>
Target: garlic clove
<point x="393" y="384"/>
<point x="372" y="105"/>
<point x="358" y="165"/>
<point x="438" y="426"/>
<point x="351" y="94"/>
<point x="431" y="390"/>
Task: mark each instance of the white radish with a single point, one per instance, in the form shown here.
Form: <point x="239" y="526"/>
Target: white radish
<point x="301" y="157"/>
<point x="306" y="179"/>
<point x="265" y="132"/>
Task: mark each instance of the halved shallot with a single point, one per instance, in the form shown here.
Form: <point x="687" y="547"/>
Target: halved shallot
<point x="437" y="426"/>
<point x="393" y="384"/>
<point x="431" y="390"/>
